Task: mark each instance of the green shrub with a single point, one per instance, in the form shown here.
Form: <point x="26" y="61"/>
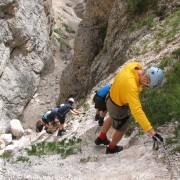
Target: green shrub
<point x="172" y="25"/>
<point x="6" y="156"/>
<point x="139" y="6"/>
<point x="176" y="53"/>
<point x="165" y="62"/>
<point x="65" y="148"/>
<point x="81" y="102"/>
<point x="59" y="37"/>
<point x="176" y="150"/>
<point x="148" y="22"/>
<point x="68" y="28"/>
<point x="177" y="131"/>
<point x="22" y="159"/>
<point x="162" y="105"/>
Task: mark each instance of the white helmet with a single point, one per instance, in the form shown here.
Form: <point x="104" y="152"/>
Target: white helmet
<point x="71" y="100"/>
<point x="61" y="105"/>
<point x="156" y="76"/>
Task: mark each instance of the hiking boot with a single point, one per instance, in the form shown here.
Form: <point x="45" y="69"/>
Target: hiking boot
<point x="39" y="128"/>
<point x="115" y="150"/>
<point x="96" y="117"/>
<point x="59" y="133"/>
<point x="48" y="131"/>
<point x="99" y="141"/>
<point x="101" y="121"/>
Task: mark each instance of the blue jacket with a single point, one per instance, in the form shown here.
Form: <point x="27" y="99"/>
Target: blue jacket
<point x="65" y="109"/>
<point x="52" y="115"/>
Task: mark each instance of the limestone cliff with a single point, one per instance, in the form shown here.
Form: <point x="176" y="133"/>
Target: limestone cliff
<point x="24" y="51"/>
<point x="107" y="34"/>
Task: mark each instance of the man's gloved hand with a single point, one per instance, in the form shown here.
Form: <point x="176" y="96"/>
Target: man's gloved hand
<point x="157" y="141"/>
<point x="157" y="137"/>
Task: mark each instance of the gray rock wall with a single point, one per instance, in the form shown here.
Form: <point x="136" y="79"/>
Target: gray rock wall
<point x="88" y="43"/>
<point x="103" y="40"/>
<point x="24" y="53"/>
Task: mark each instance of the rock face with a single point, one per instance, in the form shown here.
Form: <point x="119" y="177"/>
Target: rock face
<point x="88" y="43"/>
<point x="24" y="53"/>
<point x="103" y="41"/>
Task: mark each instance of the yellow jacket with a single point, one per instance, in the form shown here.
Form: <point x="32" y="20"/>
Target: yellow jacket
<point x="125" y="90"/>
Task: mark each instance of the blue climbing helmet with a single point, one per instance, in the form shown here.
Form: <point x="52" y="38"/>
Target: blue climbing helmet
<point x="156" y="76"/>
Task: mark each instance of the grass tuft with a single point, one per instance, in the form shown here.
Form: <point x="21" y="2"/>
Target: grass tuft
<point x="59" y="37"/>
<point x="137" y="7"/>
<point x="69" y="29"/>
<point x="65" y="148"/>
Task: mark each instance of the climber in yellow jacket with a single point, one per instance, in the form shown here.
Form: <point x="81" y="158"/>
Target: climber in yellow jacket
<point x="124" y="96"/>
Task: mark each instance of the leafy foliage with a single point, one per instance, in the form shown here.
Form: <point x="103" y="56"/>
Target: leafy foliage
<point x="139" y="6"/>
<point x="6" y="156"/>
<point x="144" y="22"/>
<point x="65" y="148"/>
<point x="22" y="159"/>
<point x="176" y="149"/>
<point x="162" y="105"/>
<point x="68" y="28"/>
<point x="59" y="37"/>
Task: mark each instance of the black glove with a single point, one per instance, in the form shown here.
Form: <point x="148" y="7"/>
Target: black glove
<point x="157" y="137"/>
<point x="157" y="141"/>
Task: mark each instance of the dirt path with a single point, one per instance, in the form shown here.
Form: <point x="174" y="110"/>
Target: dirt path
<point x="136" y="162"/>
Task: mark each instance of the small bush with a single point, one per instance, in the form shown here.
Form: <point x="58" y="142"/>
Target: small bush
<point x="170" y="141"/>
<point x="172" y="25"/>
<point x="176" y="150"/>
<point x="22" y="159"/>
<point x="65" y="148"/>
<point x="81" y="102"/>
<point x="59" y="37"/>
<point x="6" y="156"/>
<point x="176" y="53"/>
<point x="139" y="6"/>
<point x="68" y="28"/>
<point x="162" y="105"/>
<point x="148" y="22"/>
<point x="177" y="132"/>
<point x="165" y="62"/>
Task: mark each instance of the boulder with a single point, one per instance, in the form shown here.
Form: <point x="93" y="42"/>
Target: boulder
<point x="7" y="138"/>
<point x="16" y="128"/>
<point x="10" y="148"/>
<point x="2" y="144"/>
